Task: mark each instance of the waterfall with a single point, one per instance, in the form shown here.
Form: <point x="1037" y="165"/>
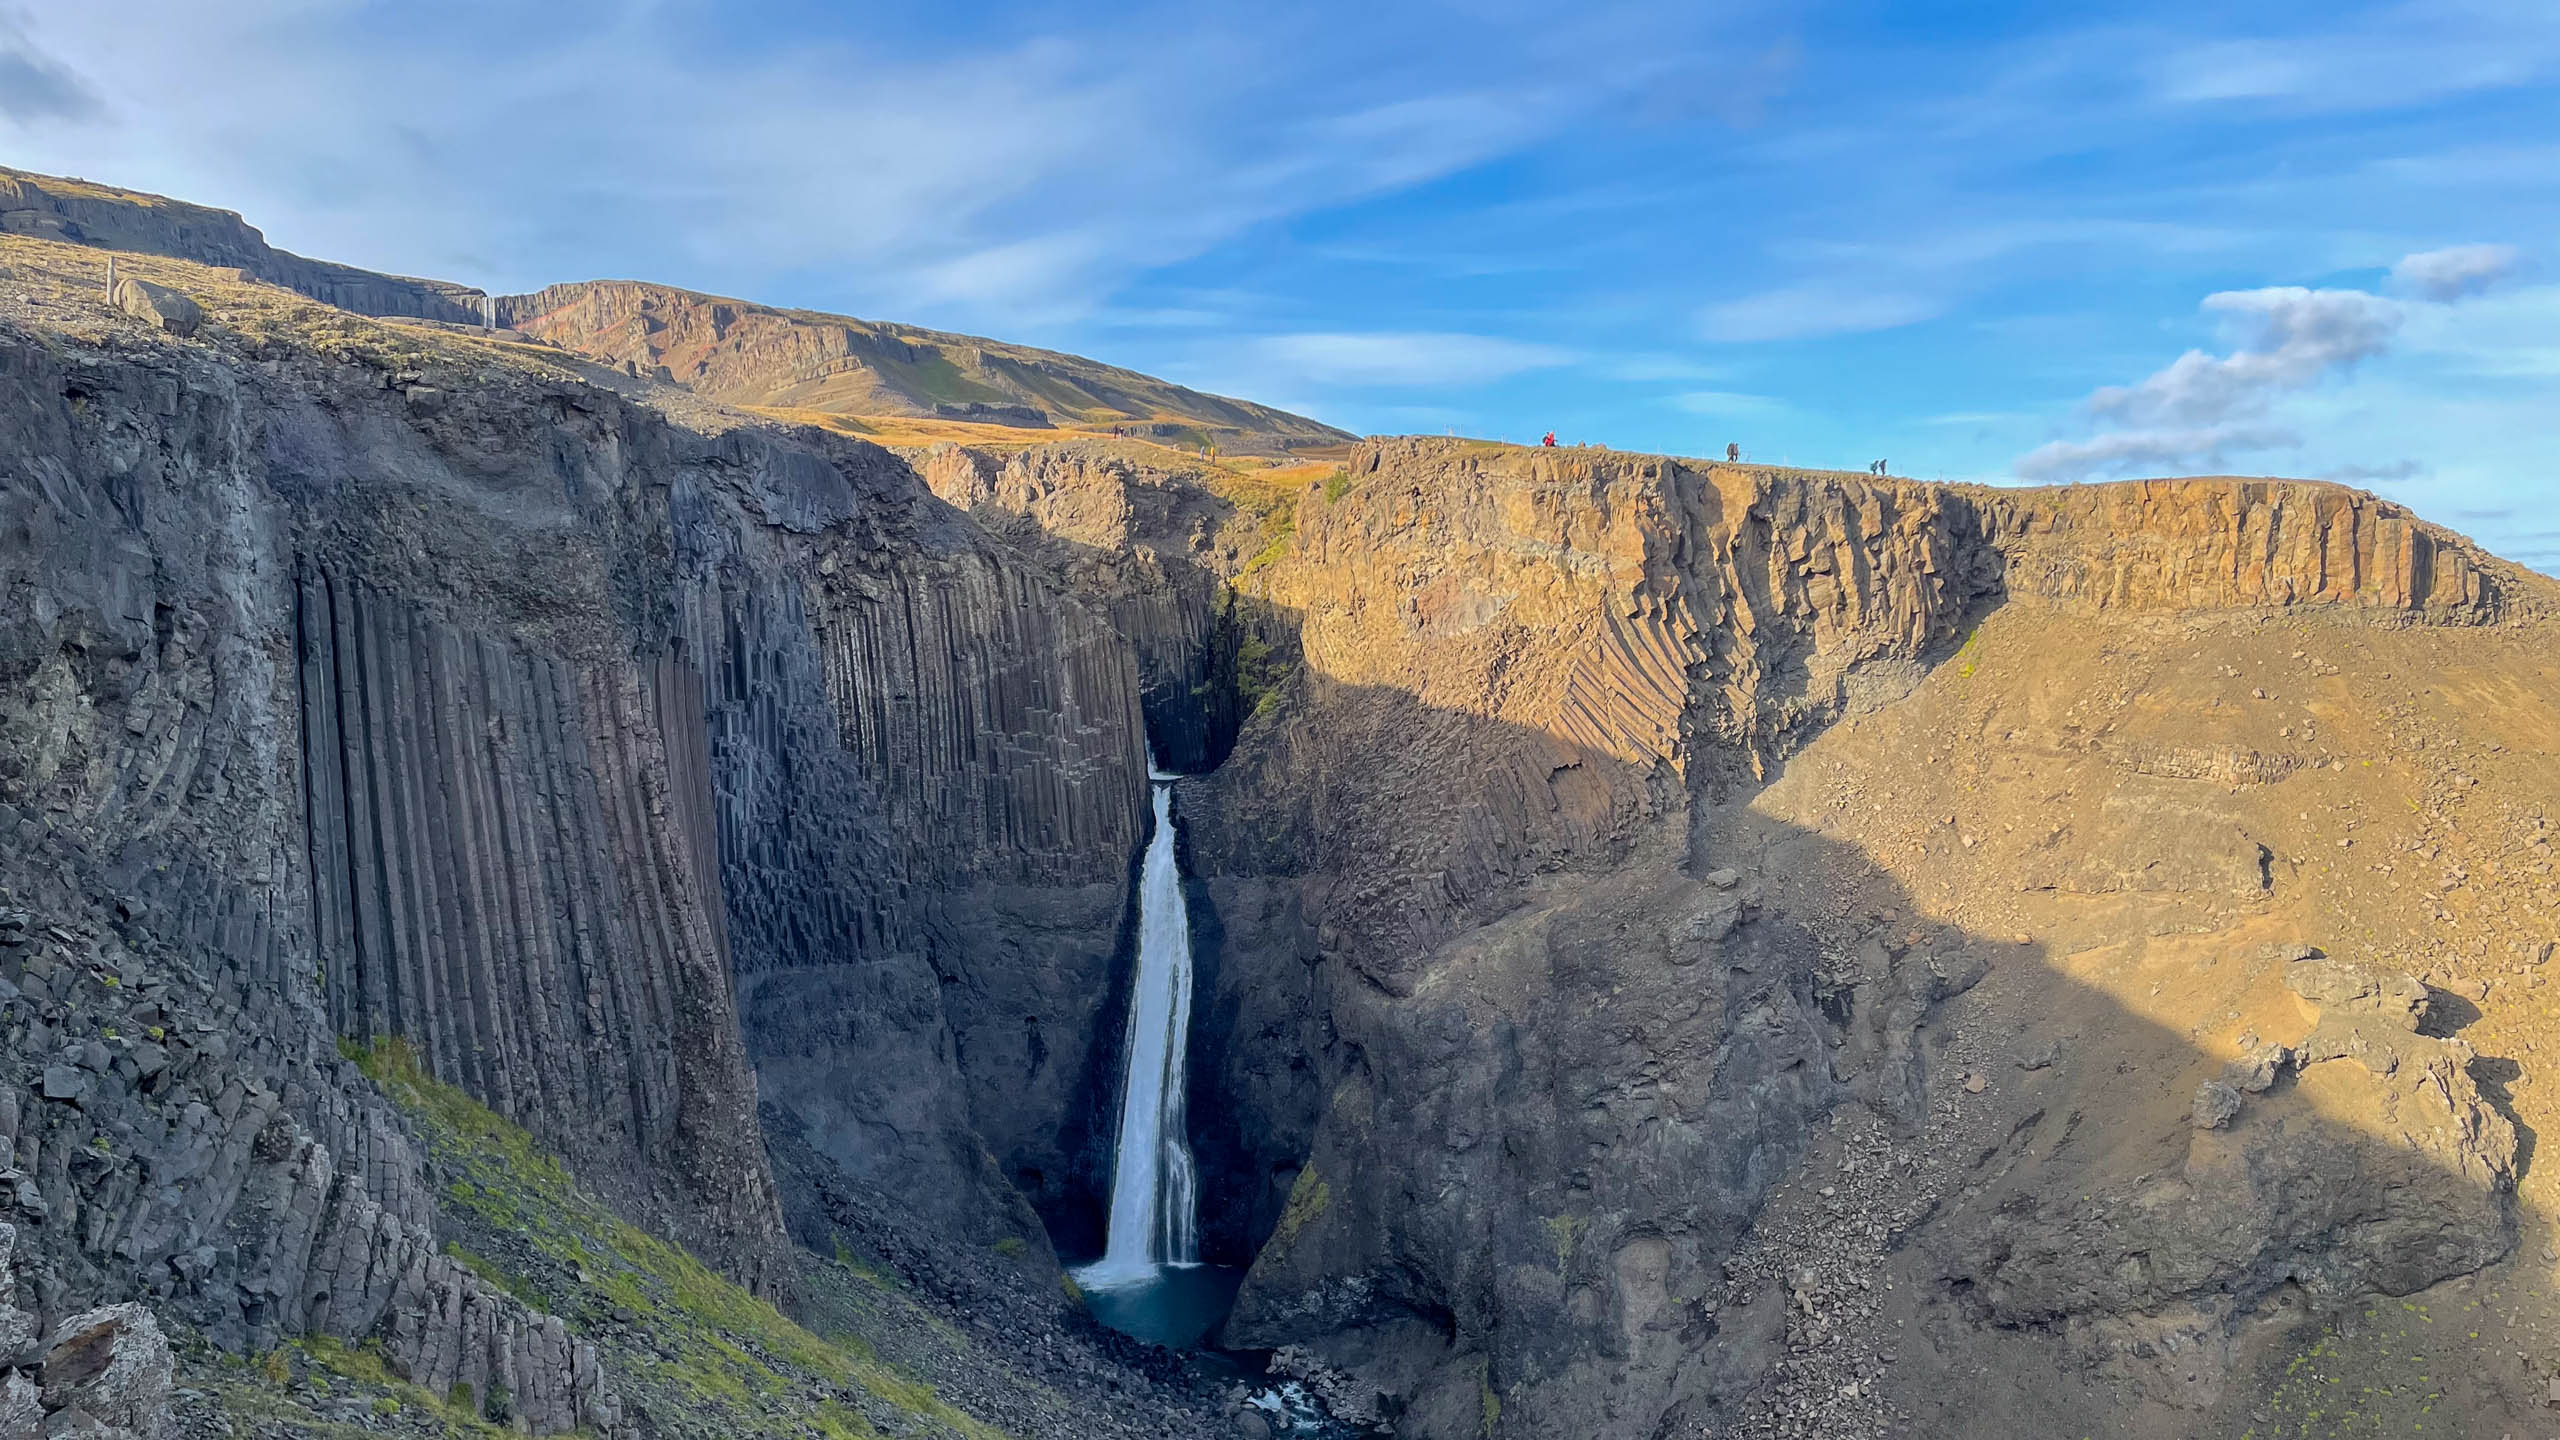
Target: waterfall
<point x="1152" y="1199"/>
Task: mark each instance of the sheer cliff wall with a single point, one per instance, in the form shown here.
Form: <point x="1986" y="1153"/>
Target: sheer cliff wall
<point x="638" y="767"/>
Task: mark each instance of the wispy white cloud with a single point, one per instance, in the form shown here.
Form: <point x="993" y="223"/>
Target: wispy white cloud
<point x="1808" y="311"/>
<point x="2290" y="337"/>
<point x="1403" y="358"/>
<point x="2455" y="272"/>
<point x="2390" y="56"/>
<point x="2203" y="447"/>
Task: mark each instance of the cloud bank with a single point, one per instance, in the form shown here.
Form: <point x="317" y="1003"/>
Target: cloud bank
<point x="1403" y="358"/>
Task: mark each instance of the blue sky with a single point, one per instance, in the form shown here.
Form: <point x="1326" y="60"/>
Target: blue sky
<point x="1986" y="241"/>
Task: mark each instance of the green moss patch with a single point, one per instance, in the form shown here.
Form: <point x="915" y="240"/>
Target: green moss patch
<point x="689" y="1347"/>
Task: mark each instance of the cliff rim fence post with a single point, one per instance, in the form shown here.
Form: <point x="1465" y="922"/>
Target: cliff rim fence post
<point x="111" y="279"/>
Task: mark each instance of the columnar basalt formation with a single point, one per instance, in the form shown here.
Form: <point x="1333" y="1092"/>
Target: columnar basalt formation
<point x="424" y="693"/>
<point x="2211" y="544"/>
<point x="1152" y="547"/>
<point x="931" y="772"/>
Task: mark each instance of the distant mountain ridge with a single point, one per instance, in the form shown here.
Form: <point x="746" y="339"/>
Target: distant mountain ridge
<point x="748" y="354"/>
<point x="734" y="351"/>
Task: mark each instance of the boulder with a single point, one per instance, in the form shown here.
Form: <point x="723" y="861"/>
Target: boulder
<point x="112" y="1363"/>
<point x="158" y="305"/>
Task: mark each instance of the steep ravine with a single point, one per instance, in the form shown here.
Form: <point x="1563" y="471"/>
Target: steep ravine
<point x="1680" y="948"/>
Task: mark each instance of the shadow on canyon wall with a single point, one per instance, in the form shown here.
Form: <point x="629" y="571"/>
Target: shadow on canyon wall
<point x="1527" y="1165"/>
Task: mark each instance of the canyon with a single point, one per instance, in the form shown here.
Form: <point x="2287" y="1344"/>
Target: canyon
<point x="567" y="872"/>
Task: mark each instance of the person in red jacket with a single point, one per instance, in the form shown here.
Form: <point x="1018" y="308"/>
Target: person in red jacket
<point x="1550" y="441"/>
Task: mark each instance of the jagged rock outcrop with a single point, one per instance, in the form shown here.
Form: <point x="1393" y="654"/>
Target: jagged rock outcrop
<point x="1153" y="548"/>
<point x="2338" y="1184"/>
<point x="198" y="1143"/>
<point x="106" y="1374"/>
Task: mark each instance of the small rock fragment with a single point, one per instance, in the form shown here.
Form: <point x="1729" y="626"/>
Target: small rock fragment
<point x="63" y="1082"/>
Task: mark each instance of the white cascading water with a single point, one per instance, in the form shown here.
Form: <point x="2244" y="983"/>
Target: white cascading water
<point x="1152" y="1200"/>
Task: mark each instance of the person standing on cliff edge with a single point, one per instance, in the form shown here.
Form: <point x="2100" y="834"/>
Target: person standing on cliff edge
<point x="1732" y="454"/>
<point x="1550" y="441"/>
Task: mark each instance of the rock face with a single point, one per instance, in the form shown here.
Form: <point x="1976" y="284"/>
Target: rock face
<point x="637" y="772"/>
<point x="2171" y="545"/>
<point x="748" y="354"/>
<point x="1151" y="548"/>
<point x="159" y="305"/>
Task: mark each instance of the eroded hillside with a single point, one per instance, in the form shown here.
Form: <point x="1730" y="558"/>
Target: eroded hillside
<point x="1802" y="954"/>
